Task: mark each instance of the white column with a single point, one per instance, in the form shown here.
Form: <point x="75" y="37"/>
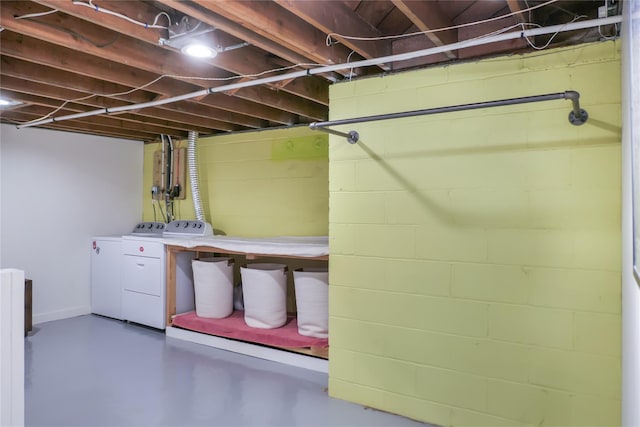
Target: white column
<point x="630" y="167"/>
<point x="12" y="348"/>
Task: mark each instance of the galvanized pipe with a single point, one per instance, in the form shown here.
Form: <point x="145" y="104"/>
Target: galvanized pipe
<point x="577" y="116"/>
<point x="336" y="67"/>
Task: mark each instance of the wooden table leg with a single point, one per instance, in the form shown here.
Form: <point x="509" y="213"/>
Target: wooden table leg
<point x="28" y="293"/>
<point x="171" y="284"/>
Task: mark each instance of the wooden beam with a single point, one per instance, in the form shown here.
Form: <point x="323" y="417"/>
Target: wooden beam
<point x="131" y="52"/>
<point x="330" y="17"/>
<point x="516" y="7"/>
<point x="241" y="61"/>
<point x="38" y="73"/>
<point x="43" y="106"/>
<point x="275" y="23"/>
<point x="81" y="86"/>
<point x="92" y="126"/>
<point x="474" y="31"/>
<point x="251" y="60"/>
<point x="138" y="10"/>
<point x="427" y="16"/>
<point x="411" y="44"/>
<point x="88" y="129"/>
<point x="59" y="95"/>
<point x="230" y="27"/>
<point x="40" y="52"/>
<point x="281" y="99"/>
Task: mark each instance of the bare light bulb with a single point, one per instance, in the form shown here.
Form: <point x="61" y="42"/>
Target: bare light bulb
<point x="7" y="103"/>
<point x="198" y="50"/>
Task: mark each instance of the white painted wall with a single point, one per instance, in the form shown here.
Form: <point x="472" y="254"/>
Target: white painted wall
<point x="58" y="189"/>
<point x="630" y="288"/>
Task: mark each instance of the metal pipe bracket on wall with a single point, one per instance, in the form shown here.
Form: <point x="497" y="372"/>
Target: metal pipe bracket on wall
<point x="577" y="116"/>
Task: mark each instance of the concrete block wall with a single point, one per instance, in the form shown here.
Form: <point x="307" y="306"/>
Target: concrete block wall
<point x="475" y="256"/>
<point x="255" y="184"/>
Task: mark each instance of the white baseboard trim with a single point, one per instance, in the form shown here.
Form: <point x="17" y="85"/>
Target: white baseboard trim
<point x="275" y="355"/>
<point x="61" y="314"/>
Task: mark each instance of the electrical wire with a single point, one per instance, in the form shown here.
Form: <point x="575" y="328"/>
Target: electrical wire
<point x="161" y="211"/>
<point x="35" y="15"/>
<point x="275" y="70"/>
<point x="615" y="36"/>
<point x="361" y="63"/>
<point x="155" y="218"/>
<point x="155" y="21"/>
<point x="172" y="76"/>
<point x="182" y="189"/>
<point x="46" y="116"/>
<point x="30" y="17"/>
<point x="552" y="36"/>
<point x="350" y="69"/>
<point x="191" y="31"/>
<point x="452" y="27"/>
<point x="528" y="8"/>
<point x="120" y="15"/>
<point x="153" y="25"/>
<point x="171" y="215"/>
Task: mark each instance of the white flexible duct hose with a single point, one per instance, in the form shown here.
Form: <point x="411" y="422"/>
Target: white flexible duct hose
<point x="193" y="175"/>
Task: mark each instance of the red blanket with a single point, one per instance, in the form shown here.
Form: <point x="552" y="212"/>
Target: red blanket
<point x="234" y="327"/>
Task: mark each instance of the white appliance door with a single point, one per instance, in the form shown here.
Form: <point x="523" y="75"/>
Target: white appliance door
<point x="106" y="287"/>
<point x="144" y="309"/>
<point x="143" y="275"/>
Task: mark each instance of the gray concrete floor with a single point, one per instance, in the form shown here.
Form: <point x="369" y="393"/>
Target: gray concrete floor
<point x="94" y="371"/>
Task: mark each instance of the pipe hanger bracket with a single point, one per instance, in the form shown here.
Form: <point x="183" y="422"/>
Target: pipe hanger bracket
<point x="578" y="119"/>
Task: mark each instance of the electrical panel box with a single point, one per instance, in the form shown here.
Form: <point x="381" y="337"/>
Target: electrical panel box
<point x="178" y="175"/>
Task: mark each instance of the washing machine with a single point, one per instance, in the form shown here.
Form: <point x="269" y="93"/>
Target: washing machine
<point x="106" y="269"/>
<point x="144" y="269"/>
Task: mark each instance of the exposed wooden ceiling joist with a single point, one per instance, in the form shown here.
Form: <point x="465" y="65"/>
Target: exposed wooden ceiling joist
<point x="427" y="16"/>
<point x="136" y="54"/>
<point x="336" y="20"/>
<point x="241" y="61"/>
<point x="76" y="51"/>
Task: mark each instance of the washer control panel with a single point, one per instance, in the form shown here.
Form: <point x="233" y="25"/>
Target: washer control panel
<point x="149" y="227"/>
<point x="184" y="228"/>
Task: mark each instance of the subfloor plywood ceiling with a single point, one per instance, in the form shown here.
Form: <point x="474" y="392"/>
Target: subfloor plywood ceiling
<point x="62" y="57"/>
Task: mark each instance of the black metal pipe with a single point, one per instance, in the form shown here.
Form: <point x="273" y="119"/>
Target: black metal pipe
<point x="577" y="117"/>
<point x="352" y="136"/>
<point x="575" y="100"/>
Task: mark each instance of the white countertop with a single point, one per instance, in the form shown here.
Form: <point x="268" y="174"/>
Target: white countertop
<point x="307" y="246"/>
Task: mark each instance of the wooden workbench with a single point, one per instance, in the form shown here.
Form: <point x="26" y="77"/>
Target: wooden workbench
<point x="293" y="261"/>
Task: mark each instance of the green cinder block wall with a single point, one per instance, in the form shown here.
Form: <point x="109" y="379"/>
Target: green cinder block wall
<point x="257" y="184"/>
<point x="475" y="256"/>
